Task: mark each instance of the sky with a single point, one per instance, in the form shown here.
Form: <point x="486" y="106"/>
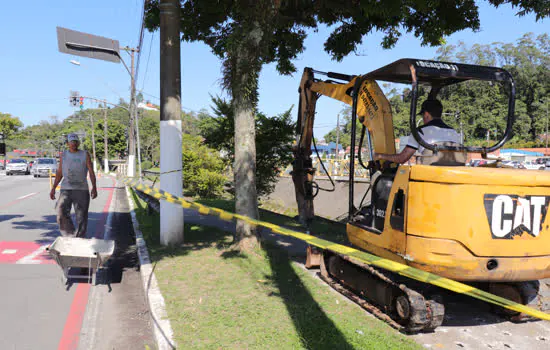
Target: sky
<point x="36" y="79"/>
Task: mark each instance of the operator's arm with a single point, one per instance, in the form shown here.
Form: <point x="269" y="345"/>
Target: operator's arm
<point x="90" y="166"/>
<point x="399" y="158"/>
<point x="58" y="177"/>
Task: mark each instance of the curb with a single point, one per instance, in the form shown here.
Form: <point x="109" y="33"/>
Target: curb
<point x="161" y="324"/>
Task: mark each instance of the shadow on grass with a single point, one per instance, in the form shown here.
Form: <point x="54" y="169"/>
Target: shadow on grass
<point x="195" y="237"/>
<point x="315" y="329"/>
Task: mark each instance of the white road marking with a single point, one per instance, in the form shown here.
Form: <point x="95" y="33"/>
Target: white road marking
<point x="9" y="251"/>
<point x="27" y="195"/>
<point x="29" y="259"/>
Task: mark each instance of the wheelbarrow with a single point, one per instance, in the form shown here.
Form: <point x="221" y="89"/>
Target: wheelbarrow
<point x="71" y="253"/>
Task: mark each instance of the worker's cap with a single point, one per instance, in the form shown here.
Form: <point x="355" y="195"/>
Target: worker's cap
<point x="433" y="106"/>
<point x="72" y="137"/>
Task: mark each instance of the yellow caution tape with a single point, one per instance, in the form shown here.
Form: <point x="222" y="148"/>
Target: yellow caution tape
<point x="355" y="254"/>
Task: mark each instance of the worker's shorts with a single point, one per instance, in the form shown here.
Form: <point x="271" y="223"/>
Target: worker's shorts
<point x="80" y="199"/>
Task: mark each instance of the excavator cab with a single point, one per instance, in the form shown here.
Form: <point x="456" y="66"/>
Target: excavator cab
<point x="483" y="225"/>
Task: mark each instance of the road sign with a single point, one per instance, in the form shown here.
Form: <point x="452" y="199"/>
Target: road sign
<point x="88" y="45"/>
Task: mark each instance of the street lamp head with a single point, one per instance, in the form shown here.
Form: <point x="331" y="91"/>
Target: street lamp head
<point x="75" y="62"/>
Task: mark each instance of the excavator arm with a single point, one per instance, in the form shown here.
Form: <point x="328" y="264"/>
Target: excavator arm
<point x="369" y="105"/>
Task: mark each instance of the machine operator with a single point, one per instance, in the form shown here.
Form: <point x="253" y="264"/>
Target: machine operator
<point x="434" y="130"/>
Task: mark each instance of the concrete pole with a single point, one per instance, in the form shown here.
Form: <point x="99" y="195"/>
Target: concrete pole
<point x="105" y="140"/>
<point x="171" y="215"/>
<point x="131" y="133"/>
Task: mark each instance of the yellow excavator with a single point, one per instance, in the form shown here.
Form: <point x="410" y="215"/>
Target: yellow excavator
<point x="484" y="226"/>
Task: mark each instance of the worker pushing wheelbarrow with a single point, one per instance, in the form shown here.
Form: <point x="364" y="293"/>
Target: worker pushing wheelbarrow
<point x="73" y="252"/>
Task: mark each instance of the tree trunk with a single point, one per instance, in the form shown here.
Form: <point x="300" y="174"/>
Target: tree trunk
<point x="244" y="73"/>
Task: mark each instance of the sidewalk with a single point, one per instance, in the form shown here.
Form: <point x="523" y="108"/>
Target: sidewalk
<point x="117" y="316"/>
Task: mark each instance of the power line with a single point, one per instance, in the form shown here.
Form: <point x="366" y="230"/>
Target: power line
<point x="148" y="94"/>
<point x="147" y="64"/>
<point x="140" y="41"/>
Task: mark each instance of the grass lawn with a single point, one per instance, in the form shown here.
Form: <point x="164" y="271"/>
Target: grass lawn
<point x="217" y="298"/>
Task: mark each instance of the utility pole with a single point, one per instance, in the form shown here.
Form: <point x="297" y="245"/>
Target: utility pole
<point x="138" y="144"/>
<point x="337" y="134"/>
<point x="131" y="132"/>
<point x="171" y="215"/>
<point x="93" y="141"/>
<point x="105" y="140"/>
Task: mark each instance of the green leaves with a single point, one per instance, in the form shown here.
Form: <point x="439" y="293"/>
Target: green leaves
<point x="9" y="125"/>
<point x="484" y="106"/>
<point x="202" y="168"/>
<point x="274" y="137"/>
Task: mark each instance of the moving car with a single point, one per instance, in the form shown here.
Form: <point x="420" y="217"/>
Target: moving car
<point x="44" y="167"/>
<point x="18" y="165"/>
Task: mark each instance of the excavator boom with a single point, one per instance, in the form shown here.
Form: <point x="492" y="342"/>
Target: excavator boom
<point x="372" y="110"/>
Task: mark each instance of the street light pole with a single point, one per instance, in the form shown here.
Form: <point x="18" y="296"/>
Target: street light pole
<point x="131" y="110"/>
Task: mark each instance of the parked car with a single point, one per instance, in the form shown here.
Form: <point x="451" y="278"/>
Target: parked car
<point x="532" y="165"/>
<point x="542" y="161"/>
<point x="43" y="167"/>
<point x="18" y="165"/>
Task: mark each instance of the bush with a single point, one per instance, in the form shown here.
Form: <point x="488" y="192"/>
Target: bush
<point x="146" y="165"/>
<point x="202" y="168"/>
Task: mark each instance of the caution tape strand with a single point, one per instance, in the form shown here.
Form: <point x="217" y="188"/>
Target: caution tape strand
<point x="358" y="255"/>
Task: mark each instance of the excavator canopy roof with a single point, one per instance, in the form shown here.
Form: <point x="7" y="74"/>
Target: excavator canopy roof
<point x="435" y="72"/>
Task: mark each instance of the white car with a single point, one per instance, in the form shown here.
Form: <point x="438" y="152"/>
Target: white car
<point x="19" y="165"/>
<point x="44" y="167"/>
<point x="532" y="165"/>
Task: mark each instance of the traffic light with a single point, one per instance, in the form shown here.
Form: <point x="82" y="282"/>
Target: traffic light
<point x="81" y="102"/>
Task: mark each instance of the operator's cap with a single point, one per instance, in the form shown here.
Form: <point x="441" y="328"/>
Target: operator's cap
<point x="72" y="137"/>
<point x="433" y="106"/>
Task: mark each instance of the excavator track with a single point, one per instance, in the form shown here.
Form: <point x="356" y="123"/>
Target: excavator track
<point x="378" y="292"/>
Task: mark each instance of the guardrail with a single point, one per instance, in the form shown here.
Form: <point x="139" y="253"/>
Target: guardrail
<point x="352" y="253"/>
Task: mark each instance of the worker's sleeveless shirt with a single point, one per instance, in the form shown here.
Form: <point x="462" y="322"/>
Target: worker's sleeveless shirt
<point x="434" y="131"/>
<point x="74" y="170"/>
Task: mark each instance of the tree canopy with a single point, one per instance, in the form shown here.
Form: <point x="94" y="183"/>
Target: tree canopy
<point x="9" y="125"/>
<point x="479" y="108"/>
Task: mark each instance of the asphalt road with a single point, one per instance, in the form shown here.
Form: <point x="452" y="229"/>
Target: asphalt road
<point x="38" y="309"/>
